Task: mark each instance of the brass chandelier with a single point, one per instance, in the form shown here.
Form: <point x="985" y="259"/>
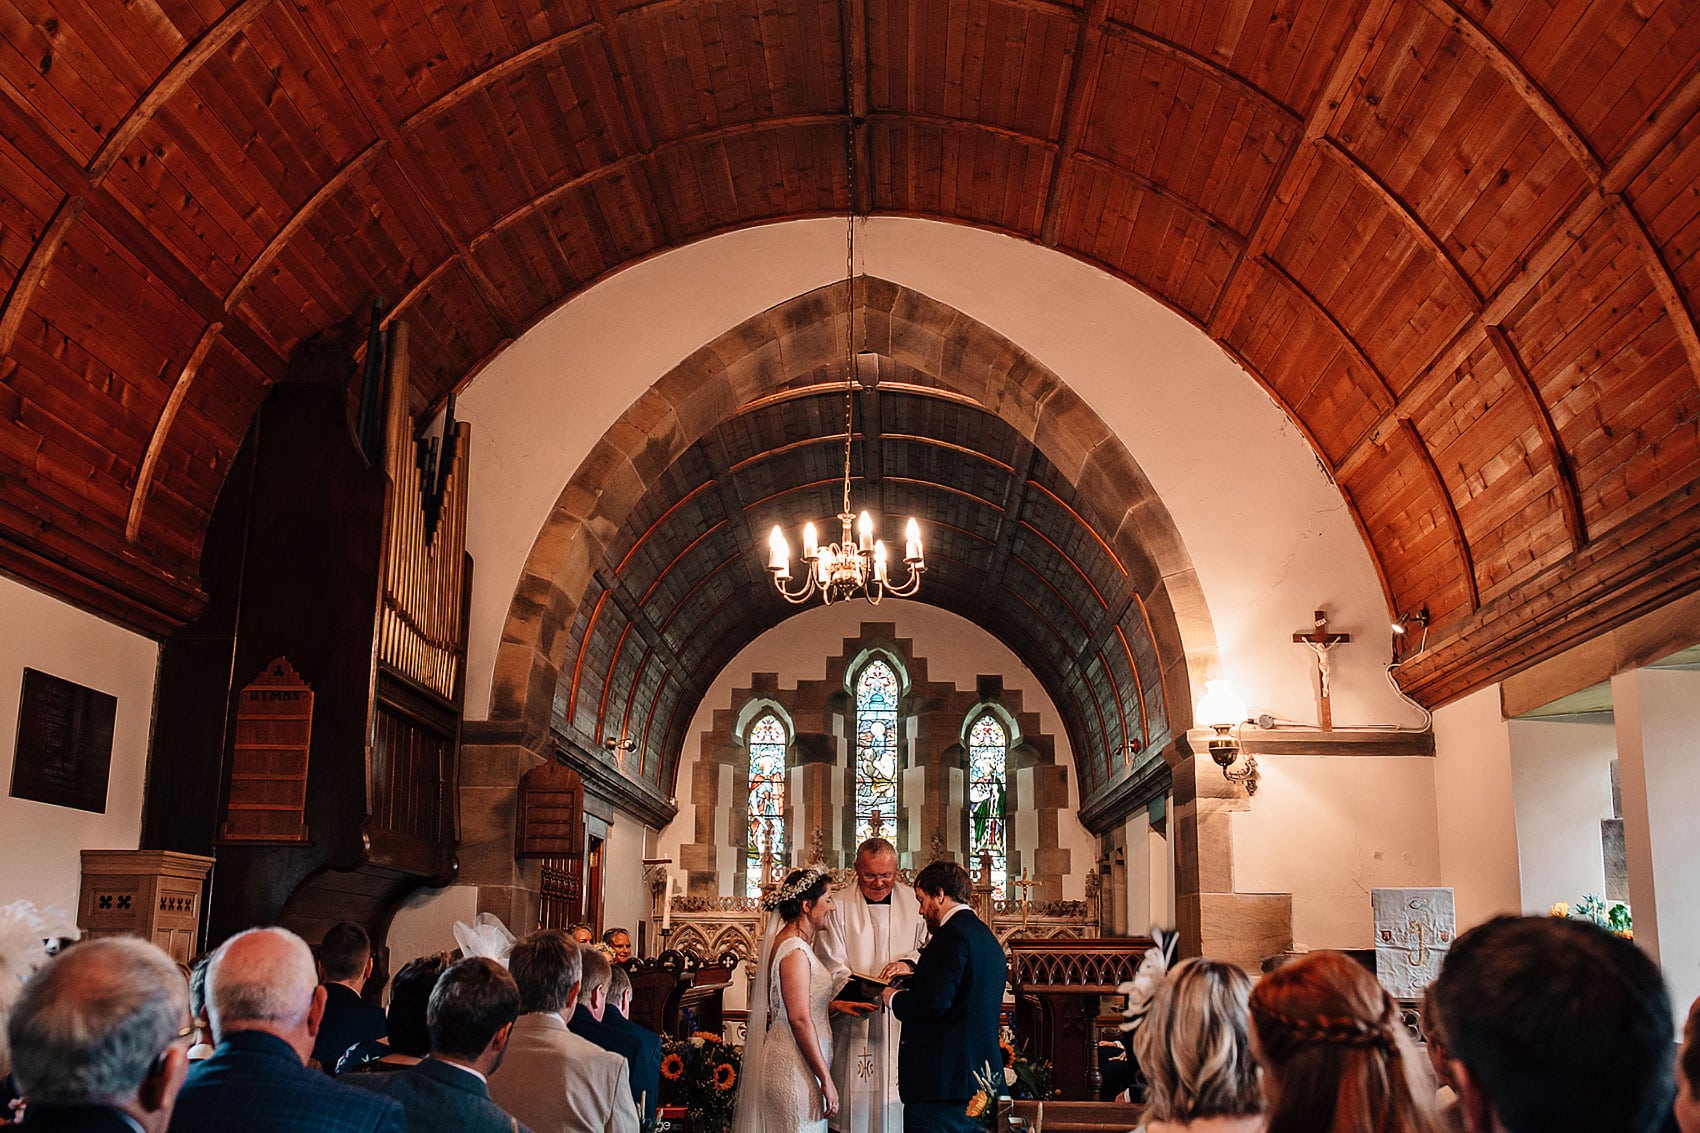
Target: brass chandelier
<point x="857" y="565"/>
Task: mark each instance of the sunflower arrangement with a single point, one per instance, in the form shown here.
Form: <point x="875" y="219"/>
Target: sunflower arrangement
<point x="701" y="1074"/>
<point x="1023" y="1077"/>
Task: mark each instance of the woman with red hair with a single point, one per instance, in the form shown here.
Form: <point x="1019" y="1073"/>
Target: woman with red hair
<point x="1336" y="1058"/>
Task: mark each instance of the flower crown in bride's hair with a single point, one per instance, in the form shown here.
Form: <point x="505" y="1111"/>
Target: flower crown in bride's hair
<point x="796" y="889"/>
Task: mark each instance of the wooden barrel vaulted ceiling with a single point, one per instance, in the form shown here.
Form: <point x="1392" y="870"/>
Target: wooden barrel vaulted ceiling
<point x="1455" y="240"/>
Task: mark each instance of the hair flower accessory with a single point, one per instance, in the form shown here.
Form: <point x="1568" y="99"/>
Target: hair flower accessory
<point x="796" y="889"/>
<point x="1153" y="970"/>
<point x="486" y="936"/>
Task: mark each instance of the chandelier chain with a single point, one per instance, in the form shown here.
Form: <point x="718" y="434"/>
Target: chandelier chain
<point x="850" y="302"/>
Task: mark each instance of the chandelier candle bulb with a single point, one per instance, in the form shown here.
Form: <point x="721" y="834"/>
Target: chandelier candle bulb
<point x="879" y="559"/>
<point x="811" y="541"/>
<point x="912" y="542"/>
<point x="865" y="532"/>
<point x="778" y="553"/>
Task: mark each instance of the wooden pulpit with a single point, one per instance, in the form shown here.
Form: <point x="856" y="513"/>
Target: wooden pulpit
<point x="678" y="992"/>
<point x="1059" y="987"/>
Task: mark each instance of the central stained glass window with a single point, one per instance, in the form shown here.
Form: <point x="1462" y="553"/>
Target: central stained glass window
<point x="767" y="798"/>
<point x="988" y="754"/>
<point x="876" y="751"/>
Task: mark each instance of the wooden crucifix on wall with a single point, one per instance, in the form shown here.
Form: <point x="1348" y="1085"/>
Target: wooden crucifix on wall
<point x="1321" y="642"/>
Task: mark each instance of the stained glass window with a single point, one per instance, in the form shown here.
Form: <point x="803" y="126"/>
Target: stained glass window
<point x="767" y="798"/>
<point x="876" y="751"/>
<point x="988" y="751"/>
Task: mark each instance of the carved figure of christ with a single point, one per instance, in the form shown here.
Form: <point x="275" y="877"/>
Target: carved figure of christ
<point x="1321" y="642"/>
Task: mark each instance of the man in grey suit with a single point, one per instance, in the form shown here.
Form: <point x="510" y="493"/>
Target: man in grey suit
<point x="471" y="1015"/>
<point x="551" y="1079"/>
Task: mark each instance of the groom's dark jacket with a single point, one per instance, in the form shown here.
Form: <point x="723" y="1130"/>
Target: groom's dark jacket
<point x="950" y="1013"/>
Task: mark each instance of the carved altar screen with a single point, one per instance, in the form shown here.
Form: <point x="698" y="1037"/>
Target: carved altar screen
<point x="767" y="799"/>
<point x="988" y="752"/>
<point x="876" y="748"/>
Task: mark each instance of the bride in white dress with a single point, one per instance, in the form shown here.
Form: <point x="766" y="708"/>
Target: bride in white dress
<point x="786" y="1083"/>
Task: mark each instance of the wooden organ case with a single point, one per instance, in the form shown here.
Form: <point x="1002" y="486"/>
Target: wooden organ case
<point x="338" y="553"/>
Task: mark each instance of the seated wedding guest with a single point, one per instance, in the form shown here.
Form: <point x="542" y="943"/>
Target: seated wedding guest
<point x="599" y="1021"/>
<point x="471" y="1014"/>
<point x="581" y="933"/>
<point x="550" y="1078"/>
<point x="409" y="1039"/>
<point x="99" y="1041"/>
<point x="345" y="964"/>
<point x="1335" y="1056"/>
<point x="266" y="1004"/>
<point x="203" y="1047"/>
<point x="1688" y="1074"/>
<point x="1193" y="1048"/>
<point x="1555" y="1024"/>
<point x="620" y="941"/>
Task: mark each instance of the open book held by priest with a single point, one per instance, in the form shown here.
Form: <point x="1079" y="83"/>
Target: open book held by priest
<point x="865" y="988"/>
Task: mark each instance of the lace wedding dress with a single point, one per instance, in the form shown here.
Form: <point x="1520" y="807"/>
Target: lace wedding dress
<point x="790" y="1093"/>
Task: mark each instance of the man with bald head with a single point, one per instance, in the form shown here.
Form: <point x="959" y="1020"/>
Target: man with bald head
<point x="266" y="1006"/>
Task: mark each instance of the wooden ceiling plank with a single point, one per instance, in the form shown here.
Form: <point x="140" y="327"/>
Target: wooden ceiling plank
<point x="1015" y="498"/>
<point x="1664" y="283"/>
<point x="1657" y="132"/>
<point x="1225" y="76"/>
<point x="35" y="269"/>
<point x="1512" y="72"/>
<point x="1570" y="493"/>
<point x="1082" y="79"/>
<point x="1402" y="212"/>
<point x="1326" y="315"/>
<point x="309" y="208"/>
<point x="210" y="42"/>
<point x="854" y="37"/>
<point x="1294" y="174"/>
<point x="642" y="130"/>
<point x="162" y="428"/>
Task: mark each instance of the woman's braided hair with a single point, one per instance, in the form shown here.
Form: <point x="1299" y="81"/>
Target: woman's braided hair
<point x="1336" y="1058"/>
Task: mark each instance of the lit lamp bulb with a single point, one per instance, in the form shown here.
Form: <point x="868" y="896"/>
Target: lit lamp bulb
<point x="811" y="543"/>
<point x="912" y="542"/>
<point x="865" y="532"/>
<point x="879" y="560"/>
<point x="1221" y="708"/>
<point x="778" y="554"/>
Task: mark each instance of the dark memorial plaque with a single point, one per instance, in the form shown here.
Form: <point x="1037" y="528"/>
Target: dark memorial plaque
<point x="64" y="751"/>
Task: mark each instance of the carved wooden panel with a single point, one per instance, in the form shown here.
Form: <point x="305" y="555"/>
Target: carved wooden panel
<point x="268" y="771"/>
<point x="550" y="819"/>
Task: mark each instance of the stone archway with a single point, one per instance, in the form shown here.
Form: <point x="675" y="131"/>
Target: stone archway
<point x="958" y="358"/>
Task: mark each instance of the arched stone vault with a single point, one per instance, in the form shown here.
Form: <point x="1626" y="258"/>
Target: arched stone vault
<point x="649" y="573"/>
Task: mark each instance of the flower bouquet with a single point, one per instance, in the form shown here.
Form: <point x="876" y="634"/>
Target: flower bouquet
<point x="700" y="1073"/>
<point x="1025" y="1078"/>
<point x="1614" y="918"/>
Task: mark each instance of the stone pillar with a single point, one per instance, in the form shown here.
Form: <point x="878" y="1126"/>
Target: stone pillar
<point x="489" y="795"/>
<point x="1215" y="921"/>
<point x="719" y="811"/>
<point x="1038" y="794"/>
<point x="811" y="798"/>
<point x="1656" y="720"/>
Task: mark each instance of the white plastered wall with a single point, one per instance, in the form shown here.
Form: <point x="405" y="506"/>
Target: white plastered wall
<point x="1269" y="535"/>
<point x="1475" y="809"/>
<point x="956" y="652"/>
<point x="1561" y="781"/>
<point x="1328" y="829"/>
<point x="40" y="845"/>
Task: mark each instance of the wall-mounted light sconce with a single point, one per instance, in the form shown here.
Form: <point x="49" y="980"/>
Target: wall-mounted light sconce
<point x="1222" y="711"/>
<point x="618" y="746"/>
<point x="1401" y="628"/>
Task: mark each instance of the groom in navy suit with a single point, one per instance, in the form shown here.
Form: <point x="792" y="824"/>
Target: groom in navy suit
<point x="950" y="1008"/>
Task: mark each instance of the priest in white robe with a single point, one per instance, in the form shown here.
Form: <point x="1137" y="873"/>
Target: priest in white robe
<point x="876" y="929"/>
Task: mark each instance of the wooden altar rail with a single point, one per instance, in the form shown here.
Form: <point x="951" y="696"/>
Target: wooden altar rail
<point x="1074" y="1117"/>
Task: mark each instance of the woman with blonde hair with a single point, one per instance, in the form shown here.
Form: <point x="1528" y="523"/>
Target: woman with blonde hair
<point x="1193" y="1049"/>
<point x="1336" y="1058"/>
